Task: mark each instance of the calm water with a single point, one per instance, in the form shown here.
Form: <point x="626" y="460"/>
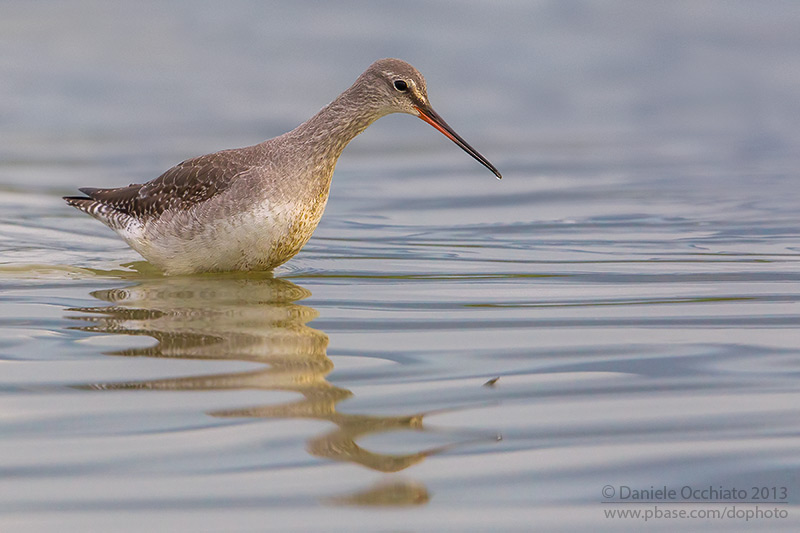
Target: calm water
<point x="449" y="352"/>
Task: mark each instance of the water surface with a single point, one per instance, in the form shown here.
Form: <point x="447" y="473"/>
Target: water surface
<point x="449" y="352"/>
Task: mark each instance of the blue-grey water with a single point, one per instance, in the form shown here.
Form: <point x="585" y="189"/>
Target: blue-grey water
<point x="450" y="352"/>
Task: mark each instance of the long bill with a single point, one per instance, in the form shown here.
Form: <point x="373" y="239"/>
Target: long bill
<point x="430" y="116"/>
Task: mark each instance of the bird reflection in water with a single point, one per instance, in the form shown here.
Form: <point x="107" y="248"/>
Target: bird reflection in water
<point x="256" y="318"/>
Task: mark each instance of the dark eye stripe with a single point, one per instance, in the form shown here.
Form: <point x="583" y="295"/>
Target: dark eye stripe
<point x="401" y="86"/>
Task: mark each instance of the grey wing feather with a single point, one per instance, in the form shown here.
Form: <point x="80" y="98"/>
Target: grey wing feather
<point x="188" y="183"/>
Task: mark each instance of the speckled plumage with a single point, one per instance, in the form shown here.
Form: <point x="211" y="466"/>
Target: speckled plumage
<point x="254" y="208"/>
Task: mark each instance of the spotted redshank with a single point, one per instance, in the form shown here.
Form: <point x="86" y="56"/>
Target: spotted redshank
<point x="254" y="208"/>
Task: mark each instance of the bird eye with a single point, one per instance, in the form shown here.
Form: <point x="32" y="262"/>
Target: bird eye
<point x="401" y="86"/>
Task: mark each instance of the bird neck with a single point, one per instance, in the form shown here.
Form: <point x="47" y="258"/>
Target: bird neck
<point x="329" y="131"/>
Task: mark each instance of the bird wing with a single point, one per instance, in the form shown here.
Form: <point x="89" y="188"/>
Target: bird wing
<point x="188" y="183"/>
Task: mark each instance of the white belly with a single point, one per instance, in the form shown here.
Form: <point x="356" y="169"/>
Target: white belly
<point x="210" y="238"/>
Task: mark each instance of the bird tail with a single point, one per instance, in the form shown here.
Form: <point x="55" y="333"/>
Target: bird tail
<point x="106" y="214"/>
<point x="82" y="203"/>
